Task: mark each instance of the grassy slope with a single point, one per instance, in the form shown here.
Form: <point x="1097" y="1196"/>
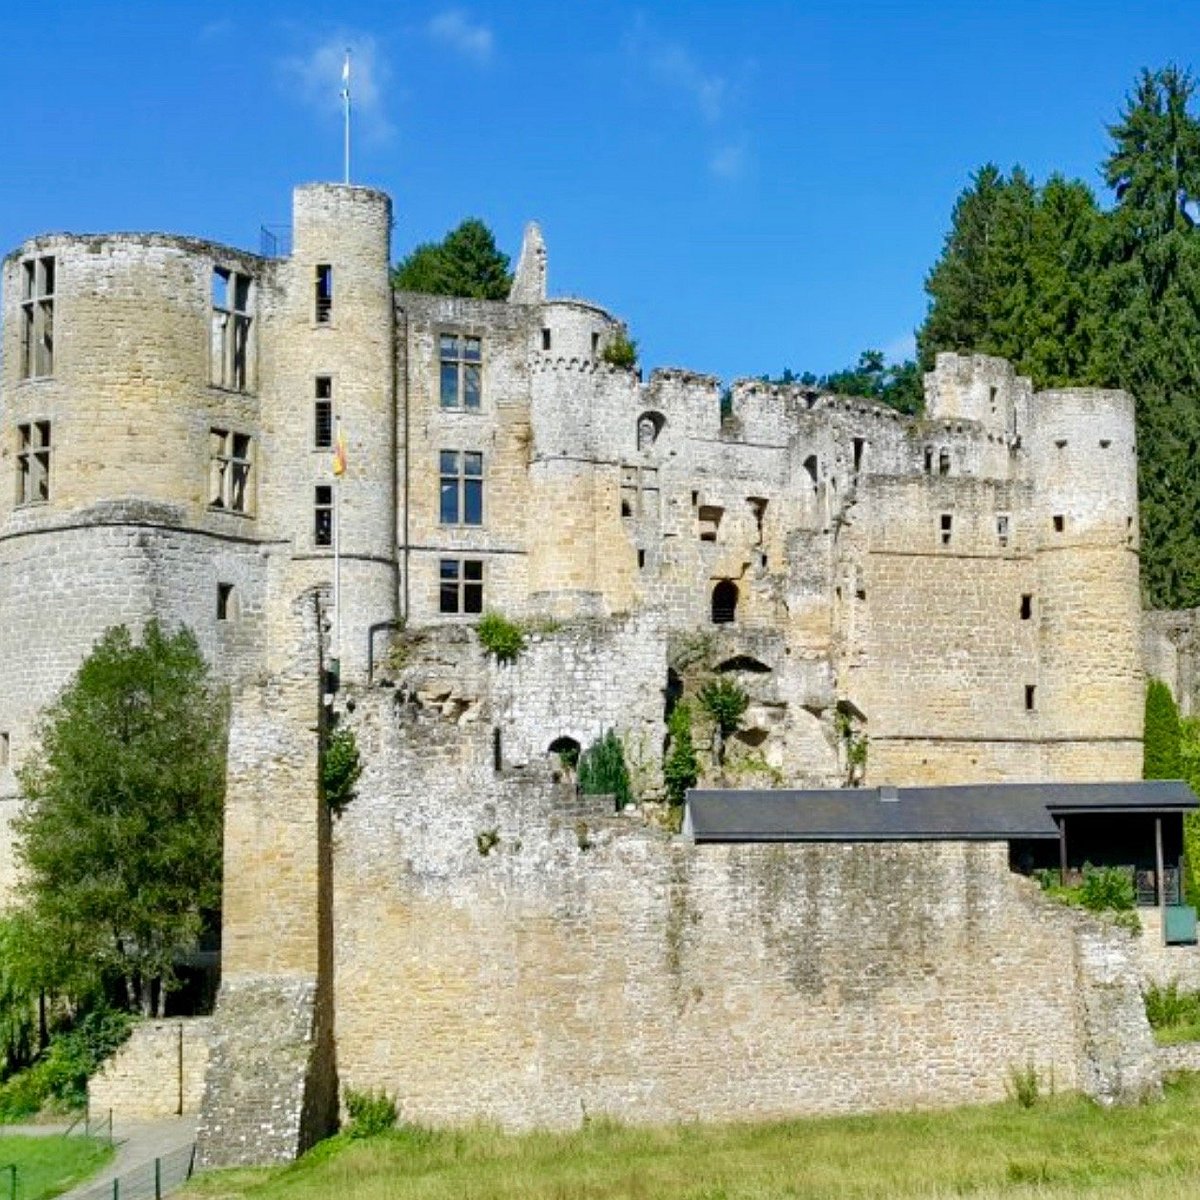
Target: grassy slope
<point x="1001" y="1150"/>
<point x="49" y="1165"/>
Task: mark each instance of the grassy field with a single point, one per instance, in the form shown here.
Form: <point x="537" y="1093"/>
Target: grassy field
<point x="1062" y="1148"/>
<point x="47" y="1166"/>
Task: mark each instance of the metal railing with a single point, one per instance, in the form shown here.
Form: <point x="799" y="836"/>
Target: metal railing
<point x="150" y="1181"/>
<point x="275" y="241"/>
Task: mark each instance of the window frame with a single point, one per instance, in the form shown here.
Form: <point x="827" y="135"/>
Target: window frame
<point x="322" y="403"/>
<point x="232" y="330"/>
<point x="460" y="583"/>
<point x="461" y="486"/>
<point x="34" y="457"/>
<point x="225" y="466"/>
<point x="462" y="365"/>
<point x="36" y="357"/>
<point x="323" y="516"/>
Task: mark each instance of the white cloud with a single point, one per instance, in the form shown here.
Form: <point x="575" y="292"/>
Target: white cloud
<point x="469" y="38"/>
<point x="676" y="67"/>
<point x="315" y="80"/>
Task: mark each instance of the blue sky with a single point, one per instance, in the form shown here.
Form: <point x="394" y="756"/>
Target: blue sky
<point x="751" y="186"/>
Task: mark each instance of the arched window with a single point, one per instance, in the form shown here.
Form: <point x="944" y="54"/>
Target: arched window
<point x="724" y="602"/>
<point x="810" y="465"/>
<point x="567" y="749"/>
<point x="649" y="426"/>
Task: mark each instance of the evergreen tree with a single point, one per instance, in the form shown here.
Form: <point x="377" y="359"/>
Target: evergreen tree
<point x="1163" y="758"/>
<point x="465" y="263"/>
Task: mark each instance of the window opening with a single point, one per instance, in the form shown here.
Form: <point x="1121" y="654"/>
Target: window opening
<point x="641" y="559"/>
<point x="323" y="515"/>
<point x="810" y="465"/>
<point x="232" y="321"/>
<point x="545" y="339"/>
<point x="639" y="491"/>
<point x="1002" y="527"/>
<point x="943" y="462"/>
<point x="1060" y="522"/>
<point x="1030" y="697"/>
<point x="1060" y="443"/>
<point x="461" y="487"/>
<point x="992" y="399"/>
<point x="461" y="358"/>
<point x="497" y="749"/>
<point x="323" y="294"/>
<point x="758" y="506"/>
<point x="724" y="602"/>
<point x="230" y="467"/>
<point x="323" y="413"/>
<point x="928" y="460"/>
<point x="1026" y="605"/>
<point x="460" y="585"/>
<point x="860" y="445"/>
<point x="33" y="462"/>
<point x="710" y="516"/>
<point x="37" y="317"/>
<point x="947" y="523"/>
<point x="1105" y="443"/>
<point x="5" y="748"/>
<point x="225" y="602"/>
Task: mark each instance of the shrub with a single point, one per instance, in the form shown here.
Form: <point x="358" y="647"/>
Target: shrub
<point x="621" y="351"/>
<point x="602" y="770"/>
<point x="371" y="1113"/>
<point x="681" y="768"/>
<point x="1107" y="888"/>
<point x="1162" y="747"/>
<point x="340" y="768"/>
<point x="1023" y="1085"/>
<point x="501" y="637"/>
<point x="725" y="702"/>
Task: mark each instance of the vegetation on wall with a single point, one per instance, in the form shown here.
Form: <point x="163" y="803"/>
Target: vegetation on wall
<point x="500" y="636"/>
<point x="1162" y="751"/>
<point x="620" y="351"/>
<point x="681" y="768"/>
<point x="602" y="770"/>
<point x="1102" y="890"/>
<point x="341" y="765"/>
<point x="725" y="702"/>
<point x="465" y="262"/>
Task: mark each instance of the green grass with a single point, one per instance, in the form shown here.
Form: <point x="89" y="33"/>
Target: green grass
<point x="47" y="1166"/>
<point x="1063" y="1148"/>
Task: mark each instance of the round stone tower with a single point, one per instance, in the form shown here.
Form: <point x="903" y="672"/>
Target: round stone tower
<point x="330" y="361"/>
<point x="1087" y="702"/>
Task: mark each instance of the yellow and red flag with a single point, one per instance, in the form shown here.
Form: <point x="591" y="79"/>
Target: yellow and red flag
<point x="339" y="453"/>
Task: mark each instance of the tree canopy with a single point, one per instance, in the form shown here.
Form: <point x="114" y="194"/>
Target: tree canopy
<point x="121" y="838"/>
<point x="466" y="262"/>
<point x="1075" y="295"/>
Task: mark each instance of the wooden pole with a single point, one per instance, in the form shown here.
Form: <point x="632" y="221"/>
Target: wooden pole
<point x="1160" y="872"/>
<point x="1062" y="850"/>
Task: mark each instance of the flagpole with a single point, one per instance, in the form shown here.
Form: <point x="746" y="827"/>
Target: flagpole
<point x="346" y="111"/>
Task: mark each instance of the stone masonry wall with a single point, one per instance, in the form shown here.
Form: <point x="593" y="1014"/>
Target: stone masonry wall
<point x="503" y="953"/>
<point x="159" y="1072"/>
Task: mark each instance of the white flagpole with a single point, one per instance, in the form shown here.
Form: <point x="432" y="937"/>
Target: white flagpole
<point x="346" y="112"/>
<point x="337" y="554"/>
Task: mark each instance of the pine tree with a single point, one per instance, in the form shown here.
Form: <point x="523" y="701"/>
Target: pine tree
<point x="465" y="263"/>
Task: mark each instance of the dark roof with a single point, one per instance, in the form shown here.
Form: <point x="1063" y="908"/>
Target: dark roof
<point x="973" y="812"/>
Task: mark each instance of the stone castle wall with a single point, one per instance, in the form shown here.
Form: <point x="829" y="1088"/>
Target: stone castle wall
<point x="504" y="953"/>
<point x="159" y="1072"/>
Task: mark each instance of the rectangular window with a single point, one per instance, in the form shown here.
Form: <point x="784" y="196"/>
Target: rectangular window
<point x="1030" y="697"/>
<point x="232" y="323"/>
<point x="225" y="604"/>
<point x="1026" y="606"/>
<point x="323" y="413"/>
<point x="33" y="462"/>
<point x="460" y="585"/>
<point x="460" y="364"/>
<point x="5" y="749"/>
<point x="860" y="445"/>
<point x="1002" y="528"/>
<point x="37" y="317"/>
<point x="323" y="294"/>
<point x="323" y="515"/>
<point x="947" y="523"/>
<point x="545" y="339"/>
<point x="1060" y="522"/>
<point x="231" y="465"/>
<point x="461" y="487"/>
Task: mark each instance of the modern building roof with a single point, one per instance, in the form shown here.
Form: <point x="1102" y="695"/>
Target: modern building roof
<point x="972" y="812"/>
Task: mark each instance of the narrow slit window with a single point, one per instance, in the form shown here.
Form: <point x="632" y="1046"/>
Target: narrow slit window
<point x="1026" y="606"/>
<point x="323" y="288"/>
<point x="225" y="602"/>
<point x="323" y="413"/>
<point x="943" y="462"/>
<point x="323" y="515"/>
<point x="545" y="339"/>
<point x="945" y="527"/>
<point x="5" y="749"/>
<point x="1002" y="529"/>
<point x="928" y="460"/>
<point x="1060" y="522"/>
<point x="1030" y="698"/>
<point x="860" y="446"/>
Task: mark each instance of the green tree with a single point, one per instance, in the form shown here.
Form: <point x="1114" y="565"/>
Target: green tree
<point x="602" y="770"/>
<point x="1162" y="748"/>
<point x="466" y="262"/>
<point x="725" y="702"/>
<point x="120" y="841"/>
<point x="681" y="768"/>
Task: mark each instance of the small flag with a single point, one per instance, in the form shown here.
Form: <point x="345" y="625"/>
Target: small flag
<point x="339" y="454"/>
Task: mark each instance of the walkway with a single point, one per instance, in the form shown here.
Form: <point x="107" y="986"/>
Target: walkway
<point x="138" y="1144"/>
